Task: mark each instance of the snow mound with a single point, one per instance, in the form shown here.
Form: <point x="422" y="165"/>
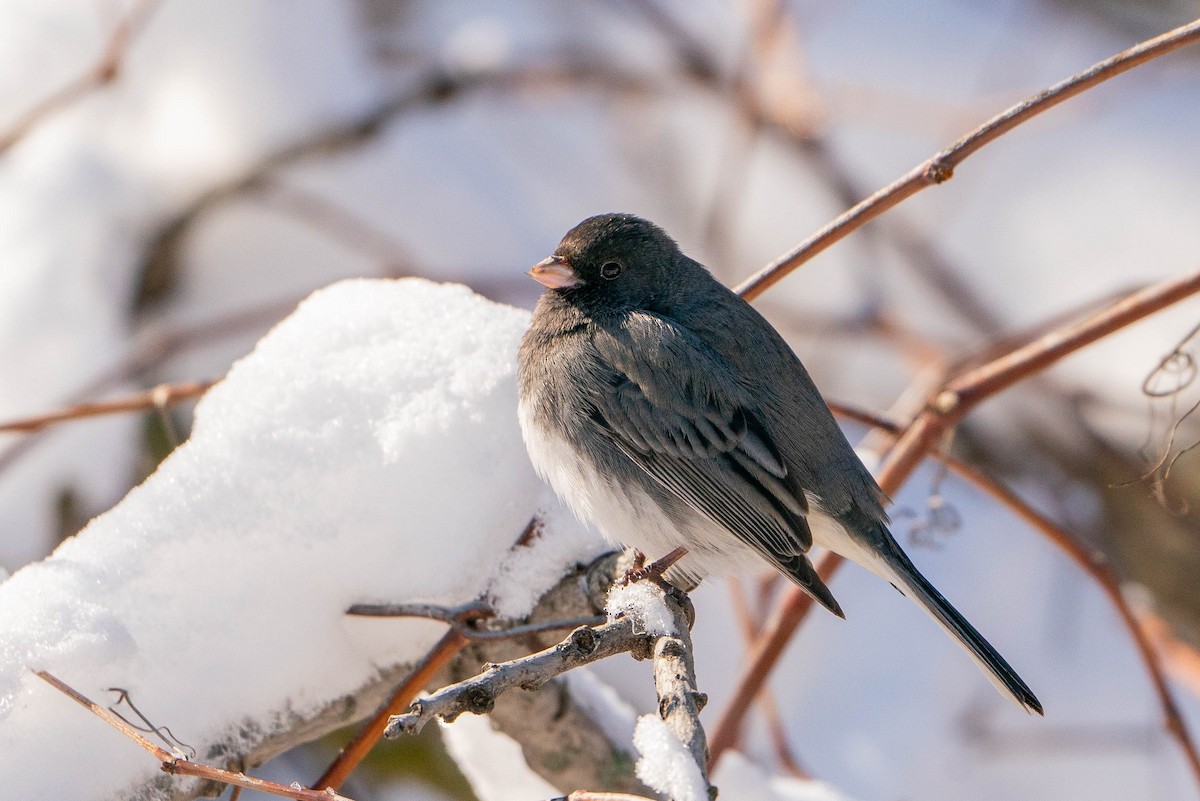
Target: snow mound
<point x="367" y="450"/>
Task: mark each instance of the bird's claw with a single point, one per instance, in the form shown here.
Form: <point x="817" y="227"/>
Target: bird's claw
<point x="653" y="571"/>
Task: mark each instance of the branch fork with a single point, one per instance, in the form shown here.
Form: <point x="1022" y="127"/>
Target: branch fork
<point x="679" y="701"/>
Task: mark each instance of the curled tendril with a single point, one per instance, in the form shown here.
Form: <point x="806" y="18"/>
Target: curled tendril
<point x="1178" y="368"/>
<point x="163" y="733"/>
<point x="1173" y="374"/>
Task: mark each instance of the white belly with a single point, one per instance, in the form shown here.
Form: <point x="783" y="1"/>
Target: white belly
<point x="628" y="516"/>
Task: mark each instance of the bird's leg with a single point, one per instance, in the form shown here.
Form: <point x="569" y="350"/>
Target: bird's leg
<point x="653" y="571"/>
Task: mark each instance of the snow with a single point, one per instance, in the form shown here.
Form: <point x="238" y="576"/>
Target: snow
<point x="616" y="718"/>
<point x="665" y="764"/>
<point x="642" y="601"/>
<point x="560" y="540"/>
<point x="739" y="779"/>
<point x="492" y="762"/>
<point x="330" y="467"/>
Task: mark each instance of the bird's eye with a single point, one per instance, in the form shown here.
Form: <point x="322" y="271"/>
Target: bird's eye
<point x="610" y="270"/>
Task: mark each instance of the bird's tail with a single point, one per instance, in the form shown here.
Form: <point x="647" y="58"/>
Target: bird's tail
<point x="903" y="574"/>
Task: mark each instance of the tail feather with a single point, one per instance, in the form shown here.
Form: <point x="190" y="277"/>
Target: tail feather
<point x="906" y="577"/>
<point x="804" y="575"/>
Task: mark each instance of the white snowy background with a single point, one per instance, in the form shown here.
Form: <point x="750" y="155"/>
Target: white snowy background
<point x="368" y="449"/>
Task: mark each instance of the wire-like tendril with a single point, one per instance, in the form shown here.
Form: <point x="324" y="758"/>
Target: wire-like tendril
<point x="1174" y="373"/>
<point x="163" y="733"/>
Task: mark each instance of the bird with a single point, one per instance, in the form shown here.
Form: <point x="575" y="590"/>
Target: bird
<point x="664" y="409"/>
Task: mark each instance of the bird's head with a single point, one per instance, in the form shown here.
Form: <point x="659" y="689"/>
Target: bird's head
<point x="611" y="262"/>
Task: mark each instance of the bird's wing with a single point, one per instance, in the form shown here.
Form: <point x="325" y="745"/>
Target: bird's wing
<point x="677" y="410"/>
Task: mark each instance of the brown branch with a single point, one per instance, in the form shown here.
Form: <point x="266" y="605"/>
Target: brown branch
<point x="356" y="751"/>
<point x="941" y="166"/>
<point x="1001" y="373"/>
<point x="922" y="437"/>
<point x="160" y="396"/>
<point x="103" y="73"/>
<point x="178" y="766"/>
<point x="967" y="390"/>
<point x="462" y="620"/>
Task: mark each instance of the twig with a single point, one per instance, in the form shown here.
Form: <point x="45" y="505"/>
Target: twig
<point x="102" y="73"/>
<point x="461" y="618"/>
<point x="941" y="166"/>
<point x="160" y="397"/>
<point x="477" y="695"/>
<point x="968" y="390"/>
<point x="1181" y="657"/>
<point x="679" y="702"/>
<point x="467" y="618"/>
<point x="175" y="764"/>
<point x="446" y="649"/>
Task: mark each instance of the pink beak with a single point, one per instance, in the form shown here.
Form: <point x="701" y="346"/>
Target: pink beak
<point x="555" y="273"/>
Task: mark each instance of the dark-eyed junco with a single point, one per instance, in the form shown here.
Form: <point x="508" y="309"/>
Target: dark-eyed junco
<point x="663" y="408"/>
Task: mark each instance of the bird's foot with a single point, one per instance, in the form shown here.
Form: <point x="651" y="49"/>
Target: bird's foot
<point x="653" y="571"/>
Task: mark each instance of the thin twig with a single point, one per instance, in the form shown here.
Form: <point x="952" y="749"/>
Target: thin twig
<point x="761" y="660"/>
<point x="941" y="166"/>
<point x="966" y="391"/>
<point x="156" y="397"/>
<point x="175" y="764"/>
<point x="1181" y="658"/>
<point x="1142" y="630"/>
<point x="467" y="619"/>
<point x="356" y="751"/>
<point x="104" y="72"/>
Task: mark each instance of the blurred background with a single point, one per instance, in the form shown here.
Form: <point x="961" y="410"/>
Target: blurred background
<point x="175" y="175"/>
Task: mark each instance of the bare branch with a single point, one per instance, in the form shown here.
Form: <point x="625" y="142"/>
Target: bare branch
<point x="940" y="168"/>
<point x="160" y="396"/>
<point x="1093" y="564"/>
<point x="471" y="620"/>
<point x="478" y="695"/>
<point x="679" y="699"/>
<point x="966" y="391"/>
<point x="679" y="702"/>
<point x="177" y="765"/>
<point x="774" y="637"/>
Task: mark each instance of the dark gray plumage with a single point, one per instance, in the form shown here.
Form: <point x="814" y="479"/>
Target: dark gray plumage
<point x="666" y="410"/>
